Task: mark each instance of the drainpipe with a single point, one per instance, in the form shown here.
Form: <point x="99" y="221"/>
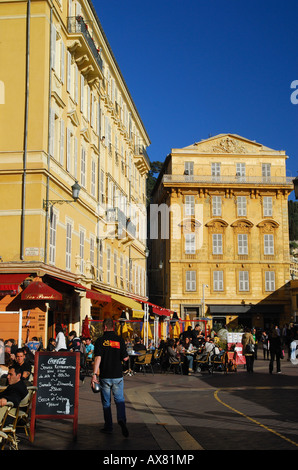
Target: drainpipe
<point x="25" y="145"/>
<point x="49" y="140"/>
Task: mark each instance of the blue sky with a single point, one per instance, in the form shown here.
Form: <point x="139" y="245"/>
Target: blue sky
<point x="197" y="68"/>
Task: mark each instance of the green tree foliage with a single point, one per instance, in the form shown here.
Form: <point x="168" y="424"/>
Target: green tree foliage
<point x="152" y="177"/>
<point x="293" y="220"/>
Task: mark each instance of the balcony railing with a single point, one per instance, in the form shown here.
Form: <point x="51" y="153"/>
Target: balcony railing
<point x="250" y="180"/>
<point x="77" y="24"/>
<point x="117" y="216"/>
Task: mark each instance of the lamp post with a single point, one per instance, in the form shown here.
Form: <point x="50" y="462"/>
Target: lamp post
<point x="75" y="194"/>
<point x="203" y="299"/>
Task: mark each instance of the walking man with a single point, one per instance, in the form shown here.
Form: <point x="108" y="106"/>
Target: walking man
<point x="109" y="352"/>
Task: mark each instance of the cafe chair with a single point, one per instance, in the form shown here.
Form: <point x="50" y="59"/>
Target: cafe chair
<point x="4" y="410"/>
<point x="24" y="411"/>
<point x="219" y="363"/>
<point x="203" y="362"/>
<point x="139" y="360"/>
<point x="11" y="428"/>
<point x="176" y="367"/>
<point x="146" y="363"/>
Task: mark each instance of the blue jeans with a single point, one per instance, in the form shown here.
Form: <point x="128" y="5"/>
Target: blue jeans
<point x="115" y="387"/>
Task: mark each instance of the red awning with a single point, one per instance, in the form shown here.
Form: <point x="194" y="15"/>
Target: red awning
<point x="38" y="290"/>
<point x="90" y="293"/>
<point x="70" y="283"/>
<point x="10" y="283"/>
<point x="98" y="296"/>
<point x="160" y="310"/>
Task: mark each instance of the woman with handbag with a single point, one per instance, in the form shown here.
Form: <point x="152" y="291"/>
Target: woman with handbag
<point x="248" y="344"/>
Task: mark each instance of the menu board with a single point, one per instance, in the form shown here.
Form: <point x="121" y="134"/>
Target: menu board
<point x="56" y="376"/>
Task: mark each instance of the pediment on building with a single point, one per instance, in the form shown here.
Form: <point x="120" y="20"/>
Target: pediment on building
<point x="268" y="225"/>
<point x="229" y="144"/>
<point x="217" y="223"/>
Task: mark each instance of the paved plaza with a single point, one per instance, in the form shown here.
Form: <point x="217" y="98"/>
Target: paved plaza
<point x="178" y="415"/>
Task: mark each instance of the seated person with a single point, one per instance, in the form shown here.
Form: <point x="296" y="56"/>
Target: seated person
<point x="51" y="345"/>
<point x="89" y="348"/>
<point x="74" y="344"/>
<point x="4" y="368"/>
<point x="173" y="356"/>
<point x="22" y="363"/>
<point x="34" y="345"/>
<point x="15" y="391"/>
<point x="188" y="348"/>
<point x="139" y="346"/>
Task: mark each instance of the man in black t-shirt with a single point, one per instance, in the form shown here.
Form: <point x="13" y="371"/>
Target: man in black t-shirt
<point x="109" y="352"/>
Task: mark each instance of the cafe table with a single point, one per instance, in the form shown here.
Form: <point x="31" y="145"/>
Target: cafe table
<point x="130" y="355"/>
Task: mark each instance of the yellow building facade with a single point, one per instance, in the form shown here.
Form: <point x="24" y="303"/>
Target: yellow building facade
<point x="219" y="226"/>
<point x="68" y="117"/>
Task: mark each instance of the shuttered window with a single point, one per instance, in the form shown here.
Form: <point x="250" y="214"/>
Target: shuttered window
<point x="243" y="281"/>
<point x="242" y="244"/>
<point x="191" y="280"/>
<point x="216" y="206"/>
<point x="218" y="284"/>
<point x="217" y="244"/>
<point x="270" y="281"/>
<point x="268" y="244"/>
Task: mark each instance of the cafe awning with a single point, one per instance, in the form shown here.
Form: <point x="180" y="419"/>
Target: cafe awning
<point x="10" y="283"/>
<point x="92" y="294"/>
<point x="159" y="310"/>
<point x="97" y="296"/>
<point x="132" y="304"/>
<point x="38" y="290"/>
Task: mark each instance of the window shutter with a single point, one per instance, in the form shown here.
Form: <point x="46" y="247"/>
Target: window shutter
<point x="82" y="92"/>
<point x="270" y="281"/>
<point x="67" y="148"/>
<point x="243" y="281"/>
<point x="190" y="280"/>
<point x="216" y="205"/>
<point x="218" y="280"/>
<point x="61" y="142"/>
<point x="268" y="244"/>
<point x="267" y="206"/>
<point x="62" y="69"/>
<point x="68" y="78"/>
<point x="52" y="132"/>
<point x="75" y="162"/>
<point x="217" y="244"/>
<point x="53" y="46"/>
<point x="242" y="244"/>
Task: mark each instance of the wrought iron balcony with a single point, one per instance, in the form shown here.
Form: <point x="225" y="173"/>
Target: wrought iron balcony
<point x="77" y="24"/>
<point x="115" y="215"/>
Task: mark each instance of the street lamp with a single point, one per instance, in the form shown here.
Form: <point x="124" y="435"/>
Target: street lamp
<point x="75" y="194"/>
<point x="203" y="299"/>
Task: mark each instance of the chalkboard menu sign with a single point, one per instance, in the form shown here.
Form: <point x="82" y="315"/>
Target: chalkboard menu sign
<point x="56" y="375"/>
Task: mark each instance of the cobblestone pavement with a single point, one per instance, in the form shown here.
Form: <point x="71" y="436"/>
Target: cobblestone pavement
<point x="179" y="416"/>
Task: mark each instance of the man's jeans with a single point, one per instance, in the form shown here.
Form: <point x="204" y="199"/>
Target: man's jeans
<point x="114" y="386"/>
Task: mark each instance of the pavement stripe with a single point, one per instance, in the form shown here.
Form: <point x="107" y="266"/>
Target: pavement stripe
<point x="142" y="401"/>
<point x="252" y="419"/>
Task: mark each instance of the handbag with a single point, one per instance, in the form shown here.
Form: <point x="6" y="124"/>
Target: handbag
<point x="249" y="348"/>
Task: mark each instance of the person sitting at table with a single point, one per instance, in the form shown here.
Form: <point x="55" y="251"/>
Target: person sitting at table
<point x="139" y="346"/>
<point x="51" y="345"/>
<point x="15" y="391"/>
<point x="22" y="363"/>
<point x="173" y="355"/>
<point x="188" y="347"/>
